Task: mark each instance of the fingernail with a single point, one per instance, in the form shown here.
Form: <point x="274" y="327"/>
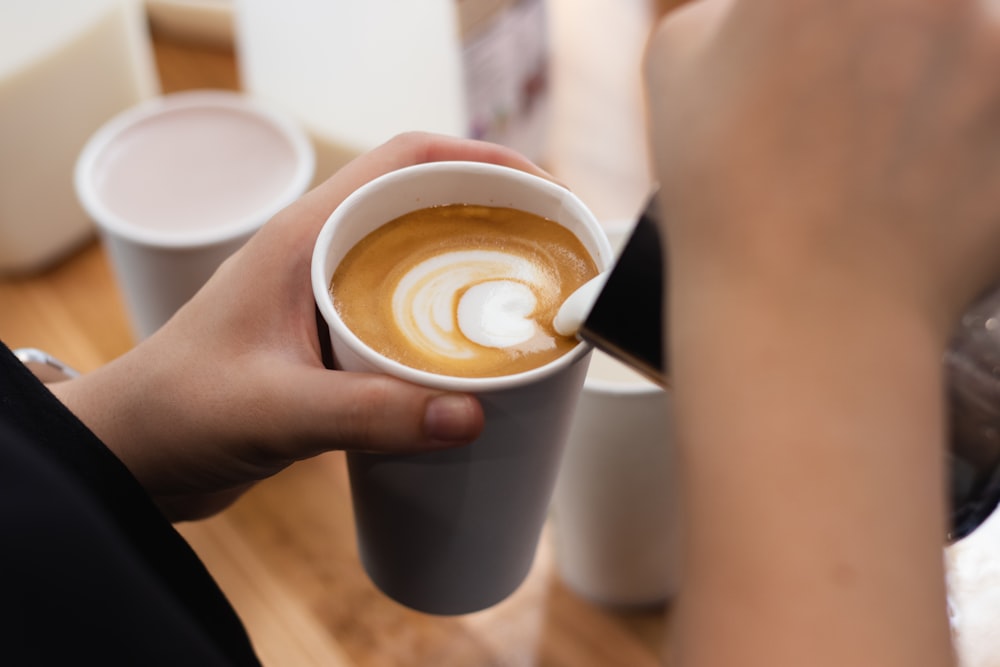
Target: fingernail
<point x="452" y="419"/>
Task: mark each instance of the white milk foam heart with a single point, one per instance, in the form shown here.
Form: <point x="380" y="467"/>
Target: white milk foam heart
<point x="495" y="293"/>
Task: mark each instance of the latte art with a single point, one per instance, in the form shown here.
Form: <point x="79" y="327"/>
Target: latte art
<point x="497" y="313"/>
<point x="462" y="290"/>
<point x="495" y="293"/>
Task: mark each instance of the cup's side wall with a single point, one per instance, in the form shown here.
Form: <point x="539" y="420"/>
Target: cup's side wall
<point x="615" y="504"/>
<point x="467" y="520"/>
<point x="155" y="282"/>
<point x="344" y="356"/>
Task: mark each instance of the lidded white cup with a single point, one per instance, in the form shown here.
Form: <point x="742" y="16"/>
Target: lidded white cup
<point x="179" y="183"/>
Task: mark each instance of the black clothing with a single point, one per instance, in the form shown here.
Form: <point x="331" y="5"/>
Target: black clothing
<point x="93" y="573"/>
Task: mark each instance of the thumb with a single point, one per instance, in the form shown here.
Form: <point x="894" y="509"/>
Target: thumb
<point x="325" y="410"/>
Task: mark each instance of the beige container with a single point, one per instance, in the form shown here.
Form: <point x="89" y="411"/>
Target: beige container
<point x="361" y="72"/>
<point x="66" y="66"/>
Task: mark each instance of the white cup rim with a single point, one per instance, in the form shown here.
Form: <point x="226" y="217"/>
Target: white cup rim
<point x="394" y="368"/>
<point x="108" y="220"/>
<point x="615" y="388"/>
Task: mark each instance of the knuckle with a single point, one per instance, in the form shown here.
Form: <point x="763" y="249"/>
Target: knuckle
<point x="414" y="142"/>
<point x="374" y="417"/>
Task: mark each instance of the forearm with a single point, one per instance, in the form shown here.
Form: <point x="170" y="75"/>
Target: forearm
<point x="811" y="432"/>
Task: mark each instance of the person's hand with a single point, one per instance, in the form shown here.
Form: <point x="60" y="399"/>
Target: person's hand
<point x="828" y="175"/>
<point x="233" y="389"/>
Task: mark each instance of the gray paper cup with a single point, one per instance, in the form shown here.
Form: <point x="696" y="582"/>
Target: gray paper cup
<point x="453" y="532"/>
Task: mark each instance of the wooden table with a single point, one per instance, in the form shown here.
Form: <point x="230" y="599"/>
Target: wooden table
<point x="285" y="553"/>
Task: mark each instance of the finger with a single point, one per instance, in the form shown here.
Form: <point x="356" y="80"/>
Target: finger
<point x="326" y="410"/>
<point x="676" y="70"/>
<point x="683" y="32"/>
<point x="303" y="219"/>
<point x="402" y="151"/>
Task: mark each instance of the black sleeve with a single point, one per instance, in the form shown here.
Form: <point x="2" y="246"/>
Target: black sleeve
<point x="91" y="573"/>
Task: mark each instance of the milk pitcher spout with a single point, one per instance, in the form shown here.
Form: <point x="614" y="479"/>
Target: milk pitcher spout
<point x="628" y="319"/>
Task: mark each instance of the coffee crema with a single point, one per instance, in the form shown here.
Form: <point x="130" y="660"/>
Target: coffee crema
<point x="462" y="290"/>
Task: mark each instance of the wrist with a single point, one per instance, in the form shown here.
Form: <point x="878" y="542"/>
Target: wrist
<point x="810" y="427"/>
<point x="810" y="422"/>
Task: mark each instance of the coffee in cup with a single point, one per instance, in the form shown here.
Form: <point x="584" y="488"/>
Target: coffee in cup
<point x="462" y="290"/>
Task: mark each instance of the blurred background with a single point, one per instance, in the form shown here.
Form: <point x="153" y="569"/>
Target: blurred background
<point x="557" y="79"/>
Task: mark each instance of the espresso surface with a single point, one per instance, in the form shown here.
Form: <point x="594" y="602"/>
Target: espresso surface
<point x="461" y="290"/>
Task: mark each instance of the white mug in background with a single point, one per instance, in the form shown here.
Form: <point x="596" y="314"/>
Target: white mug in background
<point x="179" y="183"/>
<point x="614" y="510"/>
<point x="66" y="66"/>
<point x="455" y="531"/>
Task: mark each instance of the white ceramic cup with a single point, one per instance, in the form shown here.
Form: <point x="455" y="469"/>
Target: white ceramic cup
<point x="455" y="531"/>
<point x="179" y="183"/>
<point x="615" y="508"/>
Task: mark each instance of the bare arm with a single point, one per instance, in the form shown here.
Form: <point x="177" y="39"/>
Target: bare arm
<point x="812" y="460"/>
<point x="827" y="172"/>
